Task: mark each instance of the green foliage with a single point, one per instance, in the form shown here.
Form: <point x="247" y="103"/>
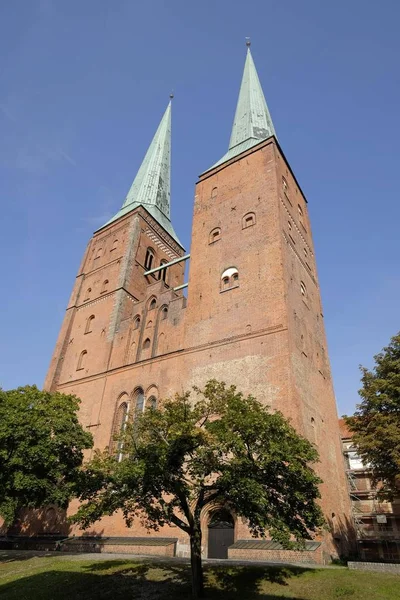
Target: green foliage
<point x="376" y="422"/>
<point x="41" y="443"/>
<point x="222" y="448"/>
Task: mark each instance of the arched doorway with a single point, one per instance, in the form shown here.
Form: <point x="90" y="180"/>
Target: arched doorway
<point x="221" y="534"/>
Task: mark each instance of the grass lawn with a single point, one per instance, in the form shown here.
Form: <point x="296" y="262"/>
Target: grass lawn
<point x="70" y="578"/>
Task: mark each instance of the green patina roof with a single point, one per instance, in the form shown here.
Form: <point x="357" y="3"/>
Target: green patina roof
<point x="262" y="544"/>
<point x="151" y="186"/>
<point x="252" y="122"/>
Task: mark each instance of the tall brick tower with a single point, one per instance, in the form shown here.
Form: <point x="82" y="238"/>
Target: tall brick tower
<point x="254" y="305"/>
<point x="252" y="317"/>
<point x="116" y="315"/>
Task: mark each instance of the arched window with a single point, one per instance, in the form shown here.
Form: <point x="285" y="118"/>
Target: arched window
<point x="149" y="324"/>
<point x="149" y="259"/>
<point x="114" y="246"/>
<point x="139" y="401"/>
<point x="98" y="253"/>
<point x="89" y="323"/>
<point x="164" y="313"/>
<point x="163" y="274"/>
<point x="284" y="184"/>
<point x="229" y="279"/>
<point x="119" y="425"/>
<point x="215" y="235"/>
<point x="136" y="323"/>
<point x="303" y="288"/>
<point x="214" y="192"/>
<point x="300" y="211"/>
<point x="146" y="344"/>
<point x="153" y="304"/>
<point x="81" y="360"/>
<point x="221" y="517"/>
<point x="249" y="220"/>
<point x="87" y="295"/>
<point x="151" y="402"/>
<point x="104" y="286"/>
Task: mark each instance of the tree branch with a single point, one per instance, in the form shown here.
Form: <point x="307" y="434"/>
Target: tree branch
<point x="184" y="505"/>
<point x="199" y="503"/>
<point x="177" y="521"/>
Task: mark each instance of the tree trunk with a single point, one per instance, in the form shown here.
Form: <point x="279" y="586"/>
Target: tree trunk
<point x="196" y="564"/>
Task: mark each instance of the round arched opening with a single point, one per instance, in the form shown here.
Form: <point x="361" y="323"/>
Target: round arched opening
<point x="221" y="533"/>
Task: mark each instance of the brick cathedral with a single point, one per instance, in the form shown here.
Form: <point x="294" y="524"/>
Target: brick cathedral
<point x="252" y="316"/>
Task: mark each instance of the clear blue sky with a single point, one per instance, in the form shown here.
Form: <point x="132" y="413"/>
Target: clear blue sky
<point x="82" y="88"/>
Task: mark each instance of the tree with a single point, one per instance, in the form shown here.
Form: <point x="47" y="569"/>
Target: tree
<point x="41" y="444"/>
<point x="376" y="422"/>
<point x="222" y="449"/>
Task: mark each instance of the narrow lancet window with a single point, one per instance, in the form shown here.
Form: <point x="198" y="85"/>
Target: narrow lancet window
<point x="148" y="262"/>
<point x="81" y="360"/>
<point x="89" y="323"/>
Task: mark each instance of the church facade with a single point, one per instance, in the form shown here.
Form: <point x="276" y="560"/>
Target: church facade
<point x="252" y="315"/>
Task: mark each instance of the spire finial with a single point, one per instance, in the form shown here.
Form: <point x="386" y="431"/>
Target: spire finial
<point x="248" y="42"/>
<point x="171" y="94"/>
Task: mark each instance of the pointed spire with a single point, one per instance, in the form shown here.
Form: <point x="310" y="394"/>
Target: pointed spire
<point x="151" y="186"/>
<point x="252" y="122"/>
<point x="152" y="182"/>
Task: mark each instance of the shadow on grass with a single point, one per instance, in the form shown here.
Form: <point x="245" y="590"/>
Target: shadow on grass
<point x="7" y="556"/>
<point x="148" y="581"/>
<point x="241" y="580"/>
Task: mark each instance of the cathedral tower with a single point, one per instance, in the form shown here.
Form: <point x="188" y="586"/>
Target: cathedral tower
<point x="117" y="316"/>
<point x="254" y="302"/>
<point x="252" y="316"/>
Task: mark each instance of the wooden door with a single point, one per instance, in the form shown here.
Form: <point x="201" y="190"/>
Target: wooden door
<point x="220" y="537"/>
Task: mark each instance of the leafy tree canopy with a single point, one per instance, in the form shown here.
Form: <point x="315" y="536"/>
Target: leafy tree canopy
<point x="41" y="444"/>
<point x="376" y="422"/>
<point x="222" y="449"/>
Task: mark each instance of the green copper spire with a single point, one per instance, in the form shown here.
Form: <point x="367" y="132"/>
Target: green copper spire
<point x="252" y="122"/>
<point x="151" y="186"/>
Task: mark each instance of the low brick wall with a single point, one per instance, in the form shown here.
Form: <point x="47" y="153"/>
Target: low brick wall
<point x="279" y="556"/>
<point x="96" y="547"/>
<point x="369" y="566"/>
<point x="168" y="550"/>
